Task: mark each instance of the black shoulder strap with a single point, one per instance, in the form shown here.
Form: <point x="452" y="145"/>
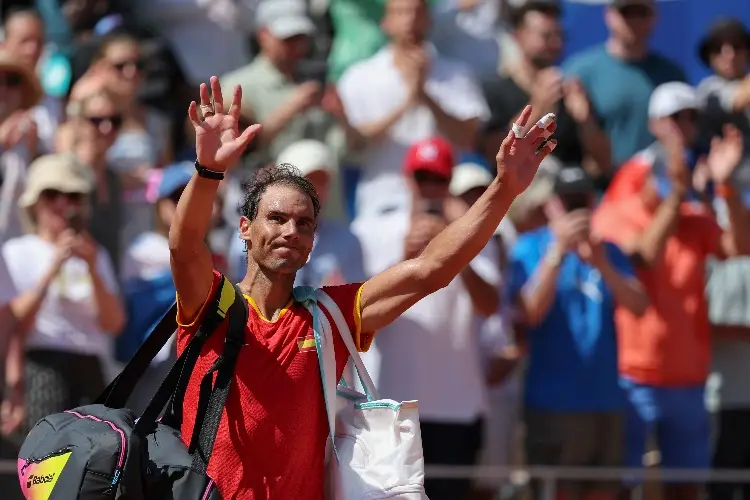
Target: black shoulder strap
<point x="212" y="400"/>
<point x="172" y="389"/>
<point x="119" y="390"/>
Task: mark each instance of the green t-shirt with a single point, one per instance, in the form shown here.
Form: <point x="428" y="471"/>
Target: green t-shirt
<point x="358" y="34"/>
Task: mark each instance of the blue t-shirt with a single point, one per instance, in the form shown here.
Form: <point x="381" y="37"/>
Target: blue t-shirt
<point x="572" y="360"/>
<point x="620" y="91"/>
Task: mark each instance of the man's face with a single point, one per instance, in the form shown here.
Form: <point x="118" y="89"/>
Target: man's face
<point x="576" y="201"/>
<point x="11" y="92"/>
<point x="685" y="122"/>
<point x="284" y="52"/>
<point x="406" y="22"/>
<point x="24" y="38"/>
<point x="632" y="23"/>
<point x="280" y="238"/>
<point x="540" y="38"/>
<point x="472" y="195"/>
<point x="429" y="186"/>
<point x="730" y="59"/>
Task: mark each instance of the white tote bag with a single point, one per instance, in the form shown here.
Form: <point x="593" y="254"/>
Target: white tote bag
<point x="377" y="444"/>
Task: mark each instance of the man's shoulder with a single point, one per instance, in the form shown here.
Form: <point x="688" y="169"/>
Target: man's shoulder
<point x="17" y="246"/>
<point x="362" y="71"/>
<point x="530" y="245"/>
<point x="245" y="75"/>
<point x="585" y="60"/>
<point x="500" y="88"/>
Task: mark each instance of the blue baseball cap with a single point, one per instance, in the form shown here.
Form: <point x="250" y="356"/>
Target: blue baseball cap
<point x="174" y="177"/>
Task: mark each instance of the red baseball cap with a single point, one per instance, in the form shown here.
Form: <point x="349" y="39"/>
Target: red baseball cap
<point x="434" y="155"/>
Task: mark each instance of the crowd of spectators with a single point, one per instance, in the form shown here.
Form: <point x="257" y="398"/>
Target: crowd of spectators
<point x="607" y="319"/>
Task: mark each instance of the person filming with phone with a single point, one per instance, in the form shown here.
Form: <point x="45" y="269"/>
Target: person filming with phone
<point x="67" y="305"/>
<point x="566" y="282"/>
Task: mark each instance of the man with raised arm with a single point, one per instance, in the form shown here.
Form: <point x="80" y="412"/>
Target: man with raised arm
<point x="272" y="436"/>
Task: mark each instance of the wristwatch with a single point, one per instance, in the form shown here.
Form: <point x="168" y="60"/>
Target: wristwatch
<point x="208" y="173"/>
<point x="554" y="256"/>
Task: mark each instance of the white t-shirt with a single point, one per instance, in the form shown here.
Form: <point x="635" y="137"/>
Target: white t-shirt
<point x="7" y="288"/>
<point x="431" y="352"/>
<point x="67" y="319"/>
<point x="372" y="89"/>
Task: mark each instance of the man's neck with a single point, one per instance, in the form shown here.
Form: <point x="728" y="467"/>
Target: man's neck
<point x="285" y="68"/>
<point x="271" y="293"/>
<point x="524" y="73"/>
<point x="627" y="52"/>
<point x="402" y="51"/>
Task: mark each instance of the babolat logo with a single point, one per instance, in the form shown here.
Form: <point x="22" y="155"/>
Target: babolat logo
<point x="32" y="480"/>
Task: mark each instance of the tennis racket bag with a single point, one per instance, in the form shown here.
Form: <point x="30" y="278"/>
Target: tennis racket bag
<point x="102" y="451"/>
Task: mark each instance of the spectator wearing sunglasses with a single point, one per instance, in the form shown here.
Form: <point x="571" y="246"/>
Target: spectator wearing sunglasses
<point x="67" y="307"/>
<point x="89" y="134"/>
<point x="620" y="75"/>
<point x="144" y="138"/>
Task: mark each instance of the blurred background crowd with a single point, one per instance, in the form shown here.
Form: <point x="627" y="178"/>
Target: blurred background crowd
<point x="606" y="324"/>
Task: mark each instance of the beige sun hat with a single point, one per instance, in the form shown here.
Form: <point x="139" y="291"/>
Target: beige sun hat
<point x="32" y="90"/>
<point x="61" y="172"/>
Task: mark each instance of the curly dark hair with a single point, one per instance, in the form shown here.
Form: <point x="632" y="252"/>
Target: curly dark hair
<point x="285" y="174"/>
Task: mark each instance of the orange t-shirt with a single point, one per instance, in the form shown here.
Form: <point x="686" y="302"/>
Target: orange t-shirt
<point x="670" y="344"/>
<point x="272" y="436"/>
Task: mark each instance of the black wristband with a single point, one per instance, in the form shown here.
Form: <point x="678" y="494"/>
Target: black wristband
<point x="207" y="173"/>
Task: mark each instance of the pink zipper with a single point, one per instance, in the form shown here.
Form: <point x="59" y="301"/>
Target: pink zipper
<point x="121" y="458"/>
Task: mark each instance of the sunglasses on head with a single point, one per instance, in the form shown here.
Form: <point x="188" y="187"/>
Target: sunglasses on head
<point x="425" y="176"/>
<point x="53" y="194"/>
<point x="11" y="80"/>
<point x="122" y="65"/>
<point x="636" y="11"/>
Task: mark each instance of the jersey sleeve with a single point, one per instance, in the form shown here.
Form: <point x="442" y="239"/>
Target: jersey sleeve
<point x="187" y="325"/>
<point x="347" y="297"/>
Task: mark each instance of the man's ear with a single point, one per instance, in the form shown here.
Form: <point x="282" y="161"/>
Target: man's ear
<point x="245" y="229"/>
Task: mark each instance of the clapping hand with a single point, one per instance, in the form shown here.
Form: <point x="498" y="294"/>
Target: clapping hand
<point x="576" y="101"/>
<point x="725" y="155"/>
<point x="592" y="251"/>
<point x="520" y="155"/>
<point x="218" y="143"/>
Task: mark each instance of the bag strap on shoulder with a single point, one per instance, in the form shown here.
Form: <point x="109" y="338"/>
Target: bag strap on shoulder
<point x="119" y="390"/>
<point x="213" y="395"/>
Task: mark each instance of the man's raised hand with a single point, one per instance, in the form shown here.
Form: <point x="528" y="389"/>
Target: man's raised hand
<point x="523" y="150"/>
<point x="218" y="143"/>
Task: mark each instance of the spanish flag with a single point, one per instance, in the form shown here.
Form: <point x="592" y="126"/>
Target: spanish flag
<point x="306" y="343"/>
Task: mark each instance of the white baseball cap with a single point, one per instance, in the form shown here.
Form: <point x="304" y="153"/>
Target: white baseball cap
<point x="670" y="98"/>
<point x="467" y="176"/>
<point x="309" y="155"/>
<point x="284" y="18"/>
